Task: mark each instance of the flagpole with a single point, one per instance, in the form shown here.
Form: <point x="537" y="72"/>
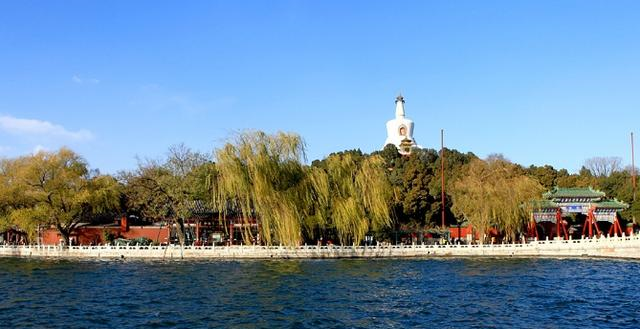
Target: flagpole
<point x="442" y="172"/>
<point x="633" y="169"/>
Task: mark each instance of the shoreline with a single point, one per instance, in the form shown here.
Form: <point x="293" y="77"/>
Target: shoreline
<point x="625" y="247"/>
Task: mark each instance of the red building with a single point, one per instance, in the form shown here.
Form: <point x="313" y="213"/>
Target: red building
<point x="197" y="231"/>
<point x="97" y="234"/>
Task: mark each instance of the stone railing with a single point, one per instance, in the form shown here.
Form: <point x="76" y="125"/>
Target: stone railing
<point x="615" y="247"/>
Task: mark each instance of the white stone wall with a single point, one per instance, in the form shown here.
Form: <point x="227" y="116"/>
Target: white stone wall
<point x="614" y="247"/>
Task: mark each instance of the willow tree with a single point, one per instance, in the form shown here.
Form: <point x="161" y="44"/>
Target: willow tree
<point x="494" y="193"/>
<point x="316" y="201"/>
<point x="356" y="196"/>
<point x="262" y="176"/>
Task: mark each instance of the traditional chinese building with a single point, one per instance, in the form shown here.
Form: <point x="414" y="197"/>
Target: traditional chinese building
<point x="201" y="227"/>
<point x="400" y="130"/>
<point x="586" y="202"/>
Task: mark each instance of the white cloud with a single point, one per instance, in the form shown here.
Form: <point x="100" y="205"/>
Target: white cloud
<point x="82" y="81"/>
<point x="33" y="127"/>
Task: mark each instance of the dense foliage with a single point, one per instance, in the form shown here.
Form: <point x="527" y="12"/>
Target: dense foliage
<point x="495" y="193"/>
<point x="263" y="176"/>
<point x="258" y="177"/>
<point x="54" y="189"/>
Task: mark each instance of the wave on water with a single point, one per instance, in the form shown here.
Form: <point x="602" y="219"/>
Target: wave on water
<point x="451" y="293"/>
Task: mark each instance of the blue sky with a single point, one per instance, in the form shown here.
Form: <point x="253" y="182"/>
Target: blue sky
<point x="543" y="82"/>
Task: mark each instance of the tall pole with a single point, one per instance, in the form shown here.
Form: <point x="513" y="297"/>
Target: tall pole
<point x="633" y="169"/>
<point x="442" y="172"/>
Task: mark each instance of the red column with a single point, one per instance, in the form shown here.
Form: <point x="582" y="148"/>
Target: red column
<point x="559" y="223"/>
<point x="198" y="231"/>
<point x="615" y="228"/>
<point x="590" y="219"/>
<point x="531" y="228"/>
<point x="124" y="225"/>
<point x="591" y="223"/>
<point x="588" y="224"/>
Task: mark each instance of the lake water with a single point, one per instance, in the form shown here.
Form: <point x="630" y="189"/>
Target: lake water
<point x="381" y="293"/>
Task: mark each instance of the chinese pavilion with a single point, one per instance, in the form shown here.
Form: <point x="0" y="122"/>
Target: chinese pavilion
<point x="561" y="202"/>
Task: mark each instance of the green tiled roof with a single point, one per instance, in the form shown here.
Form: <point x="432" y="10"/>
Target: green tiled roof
<point x="573" y="192"/>
<point x="611" y="204"/>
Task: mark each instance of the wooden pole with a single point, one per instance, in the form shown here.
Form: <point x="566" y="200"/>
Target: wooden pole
<point x="442" y="172"/>
<point x="633" y="169"/>
<point x="558" y="219"/>
<point x="590" y="219"/>
<point x="197" y="231"/>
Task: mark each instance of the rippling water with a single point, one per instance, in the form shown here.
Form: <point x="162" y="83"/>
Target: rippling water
<point x="456" y="293"/>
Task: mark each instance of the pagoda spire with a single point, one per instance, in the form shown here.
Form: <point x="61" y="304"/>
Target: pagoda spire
<point x="399" y="106"/>
<point x="400" y="129"/>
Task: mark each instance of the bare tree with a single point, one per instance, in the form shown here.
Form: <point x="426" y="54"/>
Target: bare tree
<point x="603" y="166"/>
<point x="181" y="160"/>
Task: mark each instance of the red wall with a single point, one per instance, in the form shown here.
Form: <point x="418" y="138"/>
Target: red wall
<point x="50" y="236"/>
<point x="463" y="232"/>
<point x="155" y="233"/>
<point x="88" y="235"/>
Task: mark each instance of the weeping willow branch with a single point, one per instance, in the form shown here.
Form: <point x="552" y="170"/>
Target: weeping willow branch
<point x="262" y="176"/>
<point x="494" y="193"/>
<point x="359" y="196"/>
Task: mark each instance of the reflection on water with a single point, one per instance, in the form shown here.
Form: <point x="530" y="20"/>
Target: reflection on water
<point x="458" y="293"/>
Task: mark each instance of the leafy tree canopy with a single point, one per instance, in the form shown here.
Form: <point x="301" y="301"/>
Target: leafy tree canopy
<point x="55" y="188"/>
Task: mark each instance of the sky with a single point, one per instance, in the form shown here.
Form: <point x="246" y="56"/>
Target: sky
<point x="542" y="82"/>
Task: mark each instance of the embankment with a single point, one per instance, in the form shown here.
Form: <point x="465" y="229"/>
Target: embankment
<point x="611" y="247"/>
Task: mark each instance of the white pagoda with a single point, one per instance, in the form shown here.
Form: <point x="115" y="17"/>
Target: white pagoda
<point x="400" y="130"/>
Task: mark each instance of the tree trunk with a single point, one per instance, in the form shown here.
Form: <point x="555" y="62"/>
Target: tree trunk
<point x="180" y="231"/>
<point x="65" y="233"/>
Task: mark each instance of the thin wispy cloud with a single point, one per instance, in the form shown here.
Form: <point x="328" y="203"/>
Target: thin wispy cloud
<point x="157" y="98"/>
<point x="84" y="81"/>
<point x="33" y="127"/>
